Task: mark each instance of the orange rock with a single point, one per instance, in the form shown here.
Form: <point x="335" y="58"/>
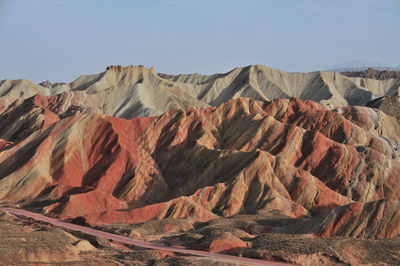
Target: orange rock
<point x="289" y="156"/>
<point x="224" y="242"/>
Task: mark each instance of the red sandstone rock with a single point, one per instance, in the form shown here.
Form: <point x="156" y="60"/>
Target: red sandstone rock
<point x="244" y="156"/>
<point x="377" y="219"/>
<point x="4" y="144"/>
<point x="223" y="242"/>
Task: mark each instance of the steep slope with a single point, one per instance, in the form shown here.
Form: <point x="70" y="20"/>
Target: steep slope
<point x="388" y="105"/>
<point x="289" y="156"/>
<point x="376" y="219"/>
<point x="228" y="163"/>
<point x="135" y="91"/>
<point x="119" y="91"/>
<point x="11" y="90"/>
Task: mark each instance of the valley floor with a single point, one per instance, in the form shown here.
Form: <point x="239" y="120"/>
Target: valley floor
<point x="30" y="241"/>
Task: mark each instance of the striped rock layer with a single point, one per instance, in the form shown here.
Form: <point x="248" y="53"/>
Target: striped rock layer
<point x="339" y="167"/>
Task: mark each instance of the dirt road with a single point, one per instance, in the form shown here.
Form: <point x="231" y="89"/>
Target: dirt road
<point x="130" y="241"/>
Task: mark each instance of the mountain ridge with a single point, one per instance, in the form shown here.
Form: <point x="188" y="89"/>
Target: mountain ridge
<point x="297" y="157"/>
<point x="227" y="163"/>
<point x="134" y="91"/>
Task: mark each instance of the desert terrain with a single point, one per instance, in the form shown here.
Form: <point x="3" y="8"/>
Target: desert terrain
<point x="296" y="168"/>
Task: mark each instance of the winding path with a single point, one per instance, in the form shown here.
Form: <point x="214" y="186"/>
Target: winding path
<point x="130" y="241"/>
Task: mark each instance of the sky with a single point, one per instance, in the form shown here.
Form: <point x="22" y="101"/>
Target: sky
<point x="59" y="40"/>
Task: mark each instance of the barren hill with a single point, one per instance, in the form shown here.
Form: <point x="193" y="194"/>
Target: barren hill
<point x="134" y="91"/>
<point x="205" y="161"/>
<point x="228" y="163"/>
<point x="372" y="73"/>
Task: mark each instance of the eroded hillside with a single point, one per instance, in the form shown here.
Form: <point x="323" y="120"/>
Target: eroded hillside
<point x="134" y="91"/>
<point x="199" y="165"/>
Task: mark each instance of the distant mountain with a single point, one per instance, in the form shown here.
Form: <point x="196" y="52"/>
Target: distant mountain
<point x="372" y="73"/>
<point x="137" y="91"/>
<point x="228" y="163"/>
<point x="358" y="65"/>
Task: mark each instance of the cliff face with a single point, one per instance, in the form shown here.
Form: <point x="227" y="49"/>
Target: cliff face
<point x="290" y="156"/>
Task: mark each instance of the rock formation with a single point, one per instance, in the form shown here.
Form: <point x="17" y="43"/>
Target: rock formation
<point x="371" y="73"/>
<point x="184" y="153"/>
<point x="134" y="91"/>
<point x="244" y="156"/>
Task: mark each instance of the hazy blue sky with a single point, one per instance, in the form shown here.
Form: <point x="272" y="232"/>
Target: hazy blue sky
<point x="62" y="39"/>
